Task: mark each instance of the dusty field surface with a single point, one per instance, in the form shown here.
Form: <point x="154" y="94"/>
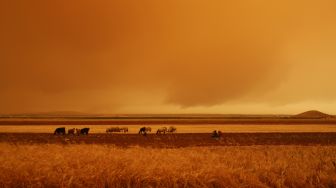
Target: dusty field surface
<point x="174" y="140"/>
<point x="205" y="128"/>
<point x="246" y="155"/>
<point x="79" y="165"/>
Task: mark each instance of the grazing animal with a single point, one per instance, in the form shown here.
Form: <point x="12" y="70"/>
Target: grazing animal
<point x="113" y="129"/>
<point x="143" y="131"/>
<point x="171" y="129"/>
<point x="60" y="130"/>
<point x="85" y="131"/>
<point x="148" y="129"/>
<point x="71" y="131"/>
<point x="124" y="129"/>
<point x="78" y="131"/>
<point x="161" y="130"/>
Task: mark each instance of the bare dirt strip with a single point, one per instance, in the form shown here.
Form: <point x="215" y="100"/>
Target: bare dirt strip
<point x="174" y="140"/>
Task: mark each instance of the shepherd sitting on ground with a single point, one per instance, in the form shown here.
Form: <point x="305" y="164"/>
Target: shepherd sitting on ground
<point x="216" y="134"/>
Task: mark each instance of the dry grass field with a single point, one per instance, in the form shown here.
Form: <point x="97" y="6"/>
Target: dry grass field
<point x="203" y="128"/>
<point x="54" y="165"/>
<point x="246" y="155"/>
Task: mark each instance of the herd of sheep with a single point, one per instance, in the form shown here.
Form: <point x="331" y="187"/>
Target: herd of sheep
<point x="142" y="130"/>
<point x="85" y="131"/>
<point x="74" y="131"/>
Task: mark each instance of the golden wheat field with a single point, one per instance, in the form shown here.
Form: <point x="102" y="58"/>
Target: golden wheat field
<point x="109" y="166"/>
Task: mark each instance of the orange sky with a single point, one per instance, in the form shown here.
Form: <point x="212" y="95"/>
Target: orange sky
<point x="190" y="56"/>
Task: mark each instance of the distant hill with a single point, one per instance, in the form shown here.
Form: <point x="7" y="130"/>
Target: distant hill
<point x="313" y="114"/>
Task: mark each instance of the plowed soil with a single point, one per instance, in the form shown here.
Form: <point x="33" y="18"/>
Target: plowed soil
<point x="174" y="140"/>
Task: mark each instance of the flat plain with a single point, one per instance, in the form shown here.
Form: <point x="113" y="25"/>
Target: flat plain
<point x="184" y="128"/>
<point x="248" y="154"/>
<point x="177" y="140"/>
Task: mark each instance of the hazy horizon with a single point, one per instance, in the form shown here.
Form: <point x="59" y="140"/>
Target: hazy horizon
<point x="83" y="114"/>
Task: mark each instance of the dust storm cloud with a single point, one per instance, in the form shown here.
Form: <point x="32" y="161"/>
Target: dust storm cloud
<point x="119" y="56"/>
